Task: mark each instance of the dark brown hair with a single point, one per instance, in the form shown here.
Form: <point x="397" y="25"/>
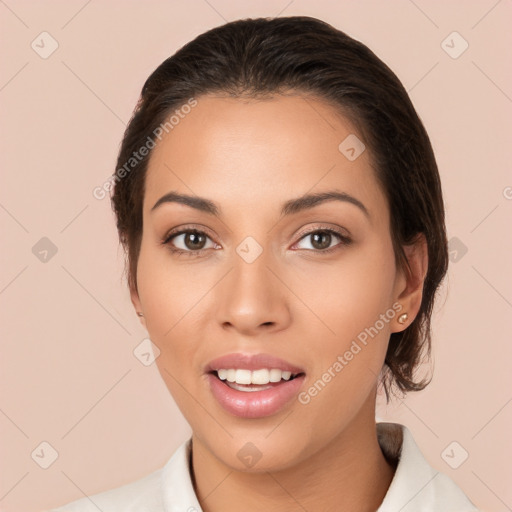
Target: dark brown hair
<point x="266" y="56"/>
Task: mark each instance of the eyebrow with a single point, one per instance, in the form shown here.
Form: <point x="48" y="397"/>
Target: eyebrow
<point x="290" y="207"/>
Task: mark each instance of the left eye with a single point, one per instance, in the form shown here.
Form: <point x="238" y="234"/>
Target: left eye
<point x="321" y="239"/>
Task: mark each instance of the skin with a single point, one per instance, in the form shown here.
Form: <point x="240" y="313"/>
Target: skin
<point x="294" y="302"/>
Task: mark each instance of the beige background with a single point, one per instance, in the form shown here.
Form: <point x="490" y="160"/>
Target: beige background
<point x="68" y="373"/>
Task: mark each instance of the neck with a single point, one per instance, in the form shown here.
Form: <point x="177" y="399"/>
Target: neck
<point x="349" y="473"/>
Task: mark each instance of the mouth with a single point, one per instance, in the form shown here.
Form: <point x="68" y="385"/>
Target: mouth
<point x="254" y="380"/>
<point x="253" y="386"/>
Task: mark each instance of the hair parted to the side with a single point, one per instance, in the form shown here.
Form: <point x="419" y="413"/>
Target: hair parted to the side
<point x="266" y="56"/>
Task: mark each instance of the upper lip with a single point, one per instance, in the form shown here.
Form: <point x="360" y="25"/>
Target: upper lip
<point x="241" y="361"/>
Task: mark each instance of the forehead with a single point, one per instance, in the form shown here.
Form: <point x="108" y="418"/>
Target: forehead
<point x="251" y="153"/>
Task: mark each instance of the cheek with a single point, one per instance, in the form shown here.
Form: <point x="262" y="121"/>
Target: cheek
<point x="348" y="295"/>
<point x="349" y="299"/>
<point x="169" y="291"/>
<point x="171" y="295"/>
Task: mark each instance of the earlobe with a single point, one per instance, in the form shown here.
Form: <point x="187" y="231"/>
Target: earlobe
<point x="403" y="318"/>
<point x="412" y="280"/>
<point x="134" y="296"/>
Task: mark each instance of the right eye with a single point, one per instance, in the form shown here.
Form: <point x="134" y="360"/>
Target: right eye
<point x="188" y="241"/>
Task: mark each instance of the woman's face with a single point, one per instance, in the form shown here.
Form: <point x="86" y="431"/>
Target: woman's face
<point x="269" y="281"/>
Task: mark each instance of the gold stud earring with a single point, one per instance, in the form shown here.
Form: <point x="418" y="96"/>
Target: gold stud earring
<point x="139" y="313"/>
<point x="403" y="318"/>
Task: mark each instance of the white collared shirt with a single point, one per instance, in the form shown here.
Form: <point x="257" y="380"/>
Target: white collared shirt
<point x="416" y="486"/>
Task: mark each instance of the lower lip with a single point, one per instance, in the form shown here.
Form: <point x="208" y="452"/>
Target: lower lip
<point x="254" y="404"/>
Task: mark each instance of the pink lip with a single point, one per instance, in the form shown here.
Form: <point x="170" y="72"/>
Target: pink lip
<point x="253" y="404"/>
<point x="251" y="362"/>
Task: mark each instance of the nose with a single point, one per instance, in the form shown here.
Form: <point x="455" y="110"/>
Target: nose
<point x="252" y="299"/>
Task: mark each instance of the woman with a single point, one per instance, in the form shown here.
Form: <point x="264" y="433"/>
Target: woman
<point x="281" y="209"/>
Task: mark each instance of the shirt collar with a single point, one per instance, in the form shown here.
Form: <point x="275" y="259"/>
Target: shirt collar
<point x="416" y="486"/>
<point x="178" y="490"/>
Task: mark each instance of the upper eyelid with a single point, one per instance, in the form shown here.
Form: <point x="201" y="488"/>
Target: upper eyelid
<point x="186" y="229"/>
<point x="337" y="231"/>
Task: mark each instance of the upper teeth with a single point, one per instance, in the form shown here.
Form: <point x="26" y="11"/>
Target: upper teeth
<point x="263" y="376"/>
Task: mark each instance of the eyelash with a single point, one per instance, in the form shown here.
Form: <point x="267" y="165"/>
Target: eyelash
<point x="345" y="240"/>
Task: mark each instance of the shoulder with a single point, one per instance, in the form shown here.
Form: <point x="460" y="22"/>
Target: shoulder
<point x="166" y="488"/>
<point x="417" y="486"/>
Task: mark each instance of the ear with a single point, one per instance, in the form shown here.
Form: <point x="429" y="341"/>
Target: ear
<point x="134" y="295"/>
<point x="409" y="283"/>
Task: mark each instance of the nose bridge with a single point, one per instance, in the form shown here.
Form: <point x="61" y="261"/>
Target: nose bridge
<point x="251" y="277"/>
<point x="251" y="295"/>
